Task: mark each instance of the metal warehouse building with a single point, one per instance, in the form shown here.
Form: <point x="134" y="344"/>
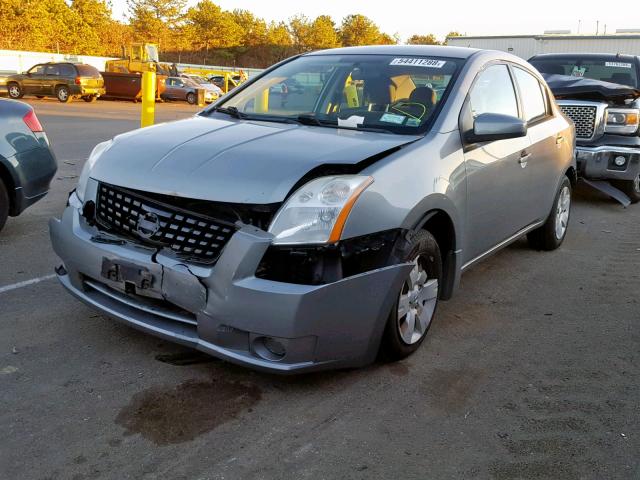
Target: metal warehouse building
<point x="526" y="46"/>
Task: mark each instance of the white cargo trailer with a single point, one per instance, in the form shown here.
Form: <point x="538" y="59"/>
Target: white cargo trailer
<point x="525" y="46"/>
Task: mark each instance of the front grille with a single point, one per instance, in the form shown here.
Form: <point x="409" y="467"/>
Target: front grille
<point x="584" y="118"/>
<point x="154" y="222"/>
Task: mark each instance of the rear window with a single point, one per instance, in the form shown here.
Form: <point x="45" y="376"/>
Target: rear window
<point x="614" y="70"/>
<point x="87" y="71"/>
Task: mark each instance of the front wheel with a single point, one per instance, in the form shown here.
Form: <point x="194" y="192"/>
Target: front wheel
<point x="191" y="98"/>
<point x="551" y="235"/>
<point x="15" y="91"/>
<point x="631" y="188"/>
<point x="63" y="94"/>
<point x="4" y="204"/>
<point x="413" y="312"/>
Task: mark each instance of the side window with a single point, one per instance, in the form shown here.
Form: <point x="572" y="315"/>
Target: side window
<point x="532" y="97"/>
<point x="52" y="70"/>
<point x="493" y="93"/>
<point x="67" y="70"/>
<point x="37" y="70"/>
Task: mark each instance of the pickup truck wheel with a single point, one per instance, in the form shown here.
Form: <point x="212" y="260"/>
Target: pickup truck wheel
<point x="90" y="98"/>
<point x="191" y="98"/>
<point x="4" y="204"/>
<point x="14" y="91"/>
<point x="63" y="94"/>
<point x="414" y="309"/>
<point x="551" y="235"/>
<point x="631" y="188"/>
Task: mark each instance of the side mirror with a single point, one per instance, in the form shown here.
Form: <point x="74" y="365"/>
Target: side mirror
<point x="488" y="127"/>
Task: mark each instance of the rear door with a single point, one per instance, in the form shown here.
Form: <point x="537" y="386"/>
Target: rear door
<point x="496" y="181"/>
<point x="51" y="79"/>
<point x="547" y="140"/>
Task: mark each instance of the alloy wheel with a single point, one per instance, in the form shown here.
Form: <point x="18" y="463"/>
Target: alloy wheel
<point x="562" y="212"/>
<point x="417" y="303"/>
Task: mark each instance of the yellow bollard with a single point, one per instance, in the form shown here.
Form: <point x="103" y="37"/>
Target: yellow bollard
<point x="148" y="99"/>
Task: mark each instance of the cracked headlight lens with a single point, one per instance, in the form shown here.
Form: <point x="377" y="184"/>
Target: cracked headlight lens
<point x="97" y="151"/>
<point x="316" y="212"/>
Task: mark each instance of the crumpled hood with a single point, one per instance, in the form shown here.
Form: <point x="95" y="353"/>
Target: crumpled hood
<point x="231" y="160"/>
<point x="565" y="86"/>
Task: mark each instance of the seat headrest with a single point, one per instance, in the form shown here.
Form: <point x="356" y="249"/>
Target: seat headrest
<point x="423" y="95"/>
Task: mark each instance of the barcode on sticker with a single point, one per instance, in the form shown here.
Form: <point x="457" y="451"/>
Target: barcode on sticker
<point x="617" y="64"/>
<point x="418" y="62"/>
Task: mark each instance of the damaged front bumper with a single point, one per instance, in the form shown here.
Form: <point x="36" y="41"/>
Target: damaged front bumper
<point x="224" y="310"/>
<point x="598" y="161"/>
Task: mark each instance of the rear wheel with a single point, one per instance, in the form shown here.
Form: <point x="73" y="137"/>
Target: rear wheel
<point x="90" y="98"/>
<point x="40" y="97"/>
<point x="191" y="98"/>
<point x="413" y="312"/>
<point x="63" y="94"/>
<point x="551" y="235"/>
<point x="4" y="204"/>
<point x="631" y="188"/>
<point x="14" y="91"/>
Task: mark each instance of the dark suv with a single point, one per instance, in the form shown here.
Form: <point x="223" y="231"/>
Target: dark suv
<point x="61" y="80"/>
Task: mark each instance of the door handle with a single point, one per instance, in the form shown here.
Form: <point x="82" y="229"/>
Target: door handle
<point x="524" y="158"/>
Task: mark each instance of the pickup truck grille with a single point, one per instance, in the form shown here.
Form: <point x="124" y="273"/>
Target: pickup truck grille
<point x="584" y="118"/>
<point x="191" y="236"/>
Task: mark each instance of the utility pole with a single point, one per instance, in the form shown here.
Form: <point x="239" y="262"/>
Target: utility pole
<point x="579" y="22"/>
<point x="597" y="26"/>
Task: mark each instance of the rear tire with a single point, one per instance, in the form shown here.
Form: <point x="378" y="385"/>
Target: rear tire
<point x="63" y="95"/>
<point x="551" y="235"/>
<point x="90" y="98"/>
<point x="39" y="97"/>
<point x="191" y="98"/>
<point x="631" y="188"/>
<point x="413" y="311"/>
<point x="14" y="91"/>
<point x="4" y="204"/>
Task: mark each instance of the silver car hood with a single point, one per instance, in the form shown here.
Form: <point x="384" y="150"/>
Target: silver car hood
<point x="231" y="160"/>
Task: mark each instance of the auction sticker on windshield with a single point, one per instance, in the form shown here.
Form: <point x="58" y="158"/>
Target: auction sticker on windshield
<point x="617" y="64"/>
<point x="418" y="62"/>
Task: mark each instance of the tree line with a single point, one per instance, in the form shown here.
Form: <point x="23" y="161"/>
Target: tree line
<point x="204" y="33"/>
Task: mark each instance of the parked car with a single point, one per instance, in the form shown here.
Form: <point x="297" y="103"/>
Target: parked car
<point x="61" y="80"/>
<point x="206" y="84"/>
<point x="317" y="237"/>
<point x="180" y="88"/>
<point x="27" y="163"/>
<point x="601" y="94"/>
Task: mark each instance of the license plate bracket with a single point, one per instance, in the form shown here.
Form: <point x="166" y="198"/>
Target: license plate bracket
<point x="132" y="276"/>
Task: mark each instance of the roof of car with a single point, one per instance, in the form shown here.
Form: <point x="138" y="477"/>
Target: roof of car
<point x="583" y="55"/>
<point x="430" y="50"/>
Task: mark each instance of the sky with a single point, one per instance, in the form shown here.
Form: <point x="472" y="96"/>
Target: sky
<point x="479" y="17"/>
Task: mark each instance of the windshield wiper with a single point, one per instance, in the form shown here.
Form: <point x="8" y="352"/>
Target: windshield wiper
<point x="232" y="111"/>
<point x="310" y="119"/>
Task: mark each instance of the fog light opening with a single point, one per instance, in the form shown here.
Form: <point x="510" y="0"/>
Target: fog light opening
<point x="269" y="348"/>
<point x="620" y="160"/>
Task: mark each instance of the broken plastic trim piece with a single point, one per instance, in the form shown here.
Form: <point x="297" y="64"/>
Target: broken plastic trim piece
<point x="608" y="189"/>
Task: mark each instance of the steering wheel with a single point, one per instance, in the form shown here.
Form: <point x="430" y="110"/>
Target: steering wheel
<point x="409" y="108"/>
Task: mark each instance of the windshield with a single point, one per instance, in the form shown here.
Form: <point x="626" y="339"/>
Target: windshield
<point x="376" y="92"/>
<point x="606" y="70"/>
<point x="152" y="53"/>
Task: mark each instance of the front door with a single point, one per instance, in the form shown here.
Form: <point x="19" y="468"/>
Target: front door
<point x="496" y="179"/>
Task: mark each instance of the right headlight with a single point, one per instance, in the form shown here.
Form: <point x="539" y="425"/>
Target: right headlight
<point x="622" y="120"/>
<point x="316" y="212"/>
<point x="97" y="151"/>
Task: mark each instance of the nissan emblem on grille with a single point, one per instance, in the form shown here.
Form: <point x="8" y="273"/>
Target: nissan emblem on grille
<point x="160" y="223"/>
<point x="148" y="225"/>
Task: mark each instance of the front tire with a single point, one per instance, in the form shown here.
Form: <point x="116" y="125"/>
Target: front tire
<point x="414" y="309"/>
<point x="191" y="98"/>
<point x="62" y="94"/>
<point x="551" y="235"/>
<point x="631" y="188"/>
<point x="14" y="91"/>
<point x="4" y="204"/>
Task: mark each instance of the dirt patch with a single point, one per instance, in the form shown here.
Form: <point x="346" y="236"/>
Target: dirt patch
<point x="451" y="390"/>
<point x="179" y="414"/>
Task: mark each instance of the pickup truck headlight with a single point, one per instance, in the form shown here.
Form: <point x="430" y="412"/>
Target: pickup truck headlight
<point x="316" y="212"/>
<point x="622" y="120"/>
<point x="97" y="151"/>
